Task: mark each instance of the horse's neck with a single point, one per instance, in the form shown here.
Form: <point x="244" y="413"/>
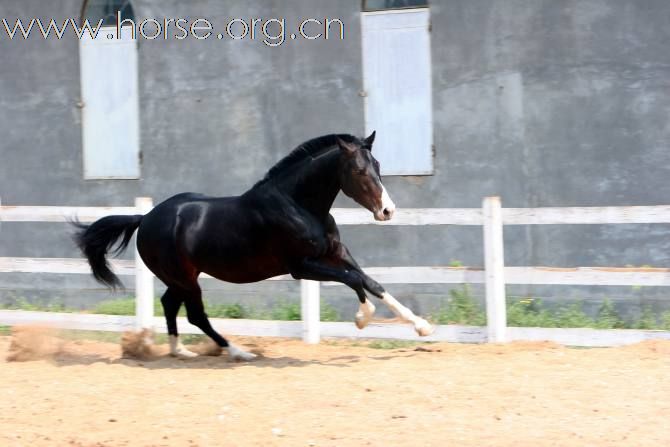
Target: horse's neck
<point x="317" y="185"/>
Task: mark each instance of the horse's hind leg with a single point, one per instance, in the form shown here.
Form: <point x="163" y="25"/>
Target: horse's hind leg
<point x="171" y="302"/>
<point x="195" y="311"/>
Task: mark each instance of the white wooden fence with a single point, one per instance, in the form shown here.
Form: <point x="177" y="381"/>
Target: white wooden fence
<point x="492" y="217"/>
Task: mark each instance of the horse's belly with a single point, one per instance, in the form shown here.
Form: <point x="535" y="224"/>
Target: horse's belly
<point x="246" y="271"/>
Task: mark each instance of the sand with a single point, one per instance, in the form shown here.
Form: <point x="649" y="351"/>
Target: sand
<point x="83" y="393"/>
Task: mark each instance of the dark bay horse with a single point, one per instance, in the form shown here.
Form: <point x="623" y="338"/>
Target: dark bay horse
<point x="281" y="225"/>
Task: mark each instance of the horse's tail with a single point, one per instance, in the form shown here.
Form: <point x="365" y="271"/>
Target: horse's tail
<point x="97" y="239"/>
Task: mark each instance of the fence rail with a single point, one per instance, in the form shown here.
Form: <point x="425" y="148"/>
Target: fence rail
<point x="491" y="217"/>
<point x="403" y="217"/>
<point x="601" y="276"/>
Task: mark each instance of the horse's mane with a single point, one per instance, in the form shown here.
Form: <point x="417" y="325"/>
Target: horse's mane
<point x="309" y="149"/>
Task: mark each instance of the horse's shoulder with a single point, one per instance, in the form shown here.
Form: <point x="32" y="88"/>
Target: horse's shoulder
<point x="283" y="211"/>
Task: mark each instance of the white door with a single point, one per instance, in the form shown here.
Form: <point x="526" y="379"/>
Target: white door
<point x="397" y="85"/>
<point x="109" y="90"/>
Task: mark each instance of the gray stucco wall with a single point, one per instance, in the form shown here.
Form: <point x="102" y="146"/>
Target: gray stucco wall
<point x="545" y="103"/>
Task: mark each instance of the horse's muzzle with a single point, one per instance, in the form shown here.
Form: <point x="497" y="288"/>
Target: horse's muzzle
<point x="385" y="214"/>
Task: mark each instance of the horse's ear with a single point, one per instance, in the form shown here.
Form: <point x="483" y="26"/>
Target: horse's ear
<point x="346" y="148"/>
<point x="371" y="139"/>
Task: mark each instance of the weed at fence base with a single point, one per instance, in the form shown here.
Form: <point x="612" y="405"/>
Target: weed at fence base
<point x="463" y="308"/>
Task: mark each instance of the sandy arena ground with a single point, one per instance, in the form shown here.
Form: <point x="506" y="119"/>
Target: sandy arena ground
<point x="81" y="393"/>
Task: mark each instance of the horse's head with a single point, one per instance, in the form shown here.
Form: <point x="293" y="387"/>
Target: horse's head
<point x="360" y="178"/>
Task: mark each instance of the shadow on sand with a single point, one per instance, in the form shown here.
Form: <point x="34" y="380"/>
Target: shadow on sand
<point x="165" y="361"/>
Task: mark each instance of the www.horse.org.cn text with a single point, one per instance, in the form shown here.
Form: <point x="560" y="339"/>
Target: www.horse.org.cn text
<point x="272" y="32"/>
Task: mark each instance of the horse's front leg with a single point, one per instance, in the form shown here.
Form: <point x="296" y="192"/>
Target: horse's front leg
<point x="340" y="270"/>
<point x="318" y="269"/>
<point x="334" y="269"/>
<point x="421" y="326"/>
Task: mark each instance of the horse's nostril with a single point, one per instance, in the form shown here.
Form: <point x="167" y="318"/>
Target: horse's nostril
<point x="387" y="212"/>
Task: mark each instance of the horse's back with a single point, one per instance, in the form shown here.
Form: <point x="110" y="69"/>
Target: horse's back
<point x="191" y="233"/>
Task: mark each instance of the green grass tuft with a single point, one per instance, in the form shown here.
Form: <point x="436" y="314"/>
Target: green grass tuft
<point x="462" y="308"/>
<point x="21" y="303"/>
<point x="120" y="306"/>
<point x="233" y="311"/>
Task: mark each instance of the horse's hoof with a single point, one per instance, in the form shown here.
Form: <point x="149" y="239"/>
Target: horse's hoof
<point x="364" y="315"/>
<point x="245" y="356"/>
<point x="237" y="354"/>
<point x="183" y="354"/>
<point x="424" y="329"/>
<point x="361" y="320"/>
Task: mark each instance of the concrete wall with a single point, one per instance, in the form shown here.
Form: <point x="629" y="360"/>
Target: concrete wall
<point x="544" y="102"/>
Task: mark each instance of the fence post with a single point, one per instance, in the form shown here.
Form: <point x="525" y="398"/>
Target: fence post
<point x="144" y="279"/>
<point x="494" y="263"/>
<point x="309" y="308"/>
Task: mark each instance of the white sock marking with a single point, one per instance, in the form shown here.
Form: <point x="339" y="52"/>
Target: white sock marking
<point x="239" y="354"/>
<point x="177" y="349"/>
<point x="420" y="325"/>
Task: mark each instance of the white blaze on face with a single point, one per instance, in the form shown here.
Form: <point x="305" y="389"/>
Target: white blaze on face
<point x="387" y="204"/>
